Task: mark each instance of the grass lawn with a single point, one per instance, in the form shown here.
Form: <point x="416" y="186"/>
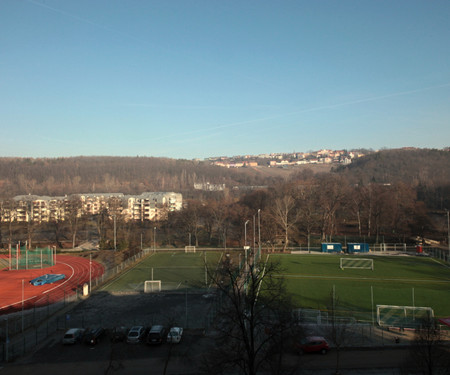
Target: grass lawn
<point x="177" y="270"/>
<point x="395" y="280"/>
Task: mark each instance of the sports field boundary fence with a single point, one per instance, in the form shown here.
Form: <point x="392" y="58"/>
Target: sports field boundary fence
<point x="21" y="332"/>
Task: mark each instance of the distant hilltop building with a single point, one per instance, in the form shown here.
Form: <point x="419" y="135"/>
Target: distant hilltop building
<point x="150" y="206"/>
<point x="206" y="186"/>
<point x="282" y="160"/>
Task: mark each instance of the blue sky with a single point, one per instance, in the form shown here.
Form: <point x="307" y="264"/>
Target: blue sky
<point x="193" y="79"/>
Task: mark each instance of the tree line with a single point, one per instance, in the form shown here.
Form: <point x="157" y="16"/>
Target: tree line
<point x="392" y="195"/>
<point x="304" y="211"/>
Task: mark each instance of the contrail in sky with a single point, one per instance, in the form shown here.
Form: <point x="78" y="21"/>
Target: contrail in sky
<point x="313" y="109"/>
<point x="250" y="121"/>
<point x="330" y="106"/>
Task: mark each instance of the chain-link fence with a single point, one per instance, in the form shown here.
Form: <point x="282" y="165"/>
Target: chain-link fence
<point x="21" y="331"/>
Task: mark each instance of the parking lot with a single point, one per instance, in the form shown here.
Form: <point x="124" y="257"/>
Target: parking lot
<point x="112" y="357"/>
<point x="107" y="310"/>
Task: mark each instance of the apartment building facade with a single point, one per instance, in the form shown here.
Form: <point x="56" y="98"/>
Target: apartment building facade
<point x="149" y="206"/>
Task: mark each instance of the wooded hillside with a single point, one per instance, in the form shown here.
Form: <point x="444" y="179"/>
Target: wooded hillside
<point x="425" y="170"/>
<point x="128" y="175"/>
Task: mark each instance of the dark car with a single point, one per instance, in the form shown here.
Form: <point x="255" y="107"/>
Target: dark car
<point x="92" y="335"/>
<point x="312" y="344"/>
<point x="119" y="334"/>
<point x="156" y="335"/>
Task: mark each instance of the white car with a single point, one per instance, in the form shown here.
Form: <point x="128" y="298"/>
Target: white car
<point x="73" y="336"/>
<point x="174" y="335"/>
<point x="135" y="334"/>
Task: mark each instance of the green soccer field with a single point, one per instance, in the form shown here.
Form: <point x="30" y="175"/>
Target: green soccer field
<point x="395" y="280"/>
<point x="177" y="270"/>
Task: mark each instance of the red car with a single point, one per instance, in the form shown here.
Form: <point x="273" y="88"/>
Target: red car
<point x="313" y="344"/>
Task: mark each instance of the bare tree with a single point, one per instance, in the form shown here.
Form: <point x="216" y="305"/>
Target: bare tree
<point x="73" y="215"/>
<point x="286" y="214"/>
<point x="427" y="352"/>
<point x="253" y="321"/>
<point x="339" y="329"/>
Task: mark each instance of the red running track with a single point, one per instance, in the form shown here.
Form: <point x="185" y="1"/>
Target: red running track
<point x="76" y="270"/>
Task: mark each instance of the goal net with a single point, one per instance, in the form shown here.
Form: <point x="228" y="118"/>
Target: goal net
<point x="151" y="286"/>
<point x="402" y="316"/>
<point x="189" y="249"/>
<point x="358" y="263"/>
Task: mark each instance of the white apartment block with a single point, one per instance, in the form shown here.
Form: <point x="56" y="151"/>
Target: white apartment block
<point x="147" y="206"/>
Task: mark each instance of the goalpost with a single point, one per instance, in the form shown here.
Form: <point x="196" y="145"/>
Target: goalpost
<point x="402" y="316"/>
<point x="189" y="249"/>
<point x="151" y="286"/>
<point x="357" y="263"/>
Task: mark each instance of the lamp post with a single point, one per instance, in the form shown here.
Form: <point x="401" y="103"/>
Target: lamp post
<point x="186" y="301"/>
<point x="6" y="341"/>
<point x="448" y="231"/>
<point x="245" y="245"/>
<point x="254" y="233"/>
<point x="259" y="231"/>
<point x="245" y="233"/>
<point x="115" y="234"/>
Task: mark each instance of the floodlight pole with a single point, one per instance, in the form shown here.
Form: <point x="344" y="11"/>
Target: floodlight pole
<point x="245" y="232"/>
<point x="154" y="239"/>
<point x="90" y="273"/>
<point x="448" y="231"/>
<point x="23" y="297"/>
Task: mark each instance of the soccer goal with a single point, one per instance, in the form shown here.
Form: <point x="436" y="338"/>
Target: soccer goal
<point x="151" y="286"/>
<point x="402" y="316"/>
<point x="358" y="263"/>
<point x="189" y="249"/>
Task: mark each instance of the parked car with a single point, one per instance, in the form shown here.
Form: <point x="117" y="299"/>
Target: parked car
<point x="313" y="344"/>
<point x="119" y="334"/>
<point x="92" y="335"/>
<point x="156" y="335"/>
<point x="72" y="336"/>
<point x="135" y="334"/>
<point x="174" y="335"/>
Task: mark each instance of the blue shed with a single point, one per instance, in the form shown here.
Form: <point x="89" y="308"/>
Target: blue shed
<point x="357" y="248"/>
<point x="331" y="248"/>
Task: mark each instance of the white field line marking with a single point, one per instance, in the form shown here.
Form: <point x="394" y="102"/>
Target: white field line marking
<point x="58" y="286"/>
<point x="442" y="264"/>
<point x="202" y="266"/>
<point x="358" y="278"/>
